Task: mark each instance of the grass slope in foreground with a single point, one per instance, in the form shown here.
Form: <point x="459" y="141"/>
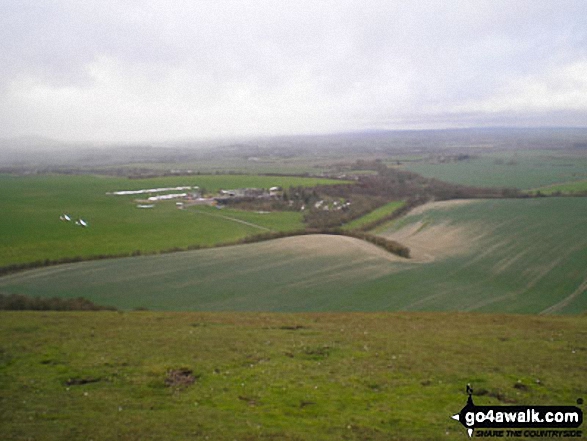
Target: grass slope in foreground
<point x="276" y="376"/>
<point x="30" y="229"/>
<point x="523" y="256"/>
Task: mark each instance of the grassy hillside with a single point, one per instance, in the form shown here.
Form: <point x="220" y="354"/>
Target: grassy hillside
<point x="494" y="255"/>
<point x="523" y="256"/>
<point x="307" y="273"/>
<point x="30" y="228"/>
<point x="276" y="376"/>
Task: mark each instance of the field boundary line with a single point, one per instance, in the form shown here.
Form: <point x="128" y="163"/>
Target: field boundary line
<point x="260" y="227"/>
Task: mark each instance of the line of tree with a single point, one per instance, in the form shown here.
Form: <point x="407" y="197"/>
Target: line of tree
<point x="17" y="267"/>
<point x="402" y="184"/>
<point x="367" y="193"/>
<point x="20" y="302"/>
<point x="389" y="245"/>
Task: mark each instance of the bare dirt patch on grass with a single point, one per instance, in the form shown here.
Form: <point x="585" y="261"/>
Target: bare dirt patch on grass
<point x="180" y="378"/>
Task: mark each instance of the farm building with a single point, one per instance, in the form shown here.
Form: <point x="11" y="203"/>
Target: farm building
<point x="165" y="197"/>
<point x="243" y="193"/>
<point x="276" y="191"/>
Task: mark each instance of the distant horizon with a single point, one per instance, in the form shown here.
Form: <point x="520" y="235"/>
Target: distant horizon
<point x="44" y="140"/>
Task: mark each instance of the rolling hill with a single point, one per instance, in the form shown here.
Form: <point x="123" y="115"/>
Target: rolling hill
<point x="518" y="256"/>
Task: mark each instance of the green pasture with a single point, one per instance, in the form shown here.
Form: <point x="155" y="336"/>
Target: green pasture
<point x="30" y="229"/>
<point x="375" y="215"/>
<point x="521" y="169"/>
<point x="106" y="376"/>
<point x="260" y="220"/>
<point x="568" y="188"/>
<point x="519" y="256"/>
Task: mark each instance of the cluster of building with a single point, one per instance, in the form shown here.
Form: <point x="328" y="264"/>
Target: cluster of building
<point x="335" y="205"/>
<point x="193" y="196"/>
<point x="251" y="193"/>
<point x="224" y="195"/>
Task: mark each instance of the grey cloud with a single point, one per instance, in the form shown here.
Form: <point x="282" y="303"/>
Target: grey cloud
<point x="186" y="68"/>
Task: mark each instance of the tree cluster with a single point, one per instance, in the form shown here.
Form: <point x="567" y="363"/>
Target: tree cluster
<point x="360" y="205"/>
<point x="392" y="184"/>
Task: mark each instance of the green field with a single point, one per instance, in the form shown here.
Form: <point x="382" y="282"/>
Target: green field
<point x="521" y="169"/>
<point x="259" y="220"/>
<point x="375" y="215"/>
<point x="309" y="337"/>
<point x="30" y="229"/>
<point x="307" y="273"/>
<point x="495" y="255"/>
<point x="400" y="376"/>
<point x="566" y="188"/>
<point x="520" y="256"/>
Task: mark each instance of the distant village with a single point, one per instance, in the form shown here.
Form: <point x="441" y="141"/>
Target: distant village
<point x="189" y="196"/>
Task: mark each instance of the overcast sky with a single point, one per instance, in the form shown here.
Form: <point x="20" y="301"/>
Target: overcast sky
<point x="140" y="70"/>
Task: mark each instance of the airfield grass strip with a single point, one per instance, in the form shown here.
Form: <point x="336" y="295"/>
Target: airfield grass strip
<point x="387" y="244"/>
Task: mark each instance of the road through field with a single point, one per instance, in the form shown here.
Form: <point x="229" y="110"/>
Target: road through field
<point x="232" y="219"/>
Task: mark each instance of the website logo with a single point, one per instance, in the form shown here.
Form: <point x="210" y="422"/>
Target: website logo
<point x="527" y="421"/>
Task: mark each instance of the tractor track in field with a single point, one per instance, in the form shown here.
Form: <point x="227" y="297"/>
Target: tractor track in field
<point x="240" y="221"/>
<point x="560" y="305"/>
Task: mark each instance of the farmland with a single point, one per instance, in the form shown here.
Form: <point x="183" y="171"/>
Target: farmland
<point x="502" y="255"/>
<point x="31" y="206"/>
<point x="276" y="376"/>
<point x="518" y="169"/>
<point x="569" y="188"/>
<point x="375" y="215"/>
<point x="291" y="274"/>
<point x="310" y="337"/>
<point x="518" y="256"/>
